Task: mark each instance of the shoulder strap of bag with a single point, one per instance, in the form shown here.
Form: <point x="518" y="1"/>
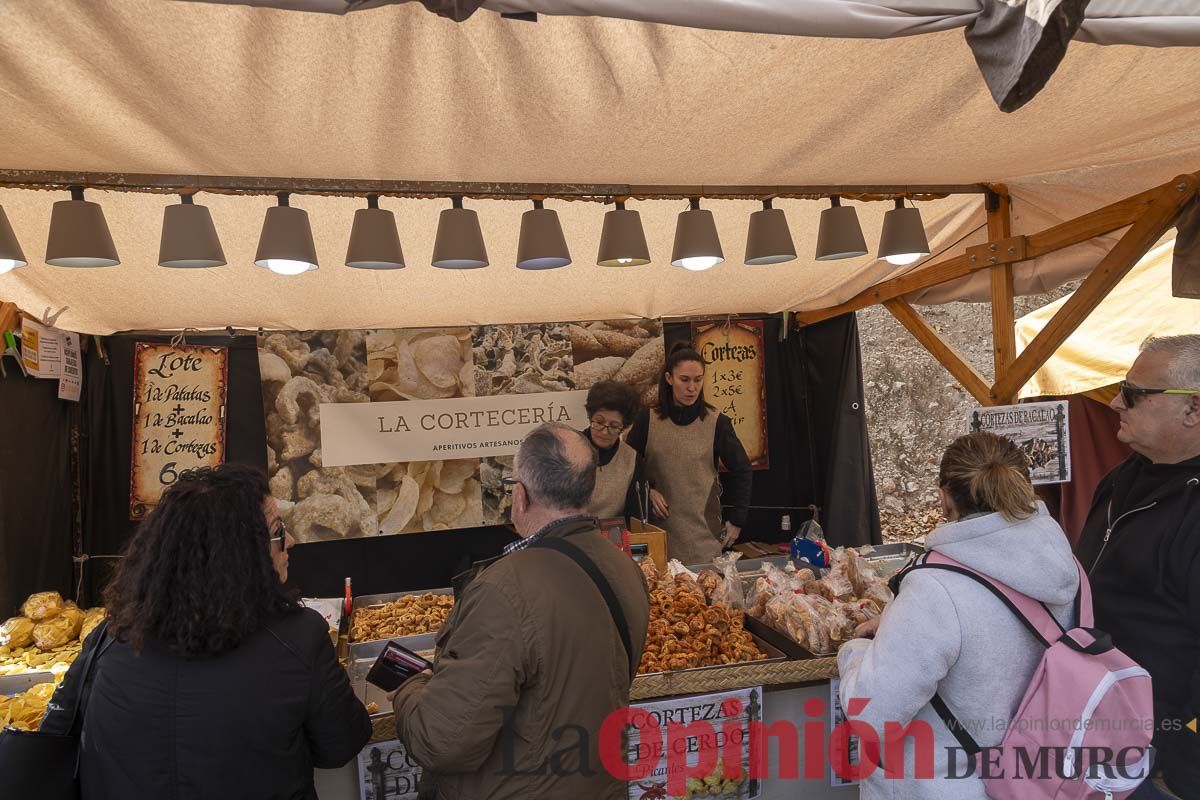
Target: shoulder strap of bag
<point x="610" y="598"/>
<point x="85" y="688"/>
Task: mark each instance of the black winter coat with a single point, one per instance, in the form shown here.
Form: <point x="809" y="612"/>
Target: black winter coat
<point x="252" y="723"/>
<point x="1141" y="548"/>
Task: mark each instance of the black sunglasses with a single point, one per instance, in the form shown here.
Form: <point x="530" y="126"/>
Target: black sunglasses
<point x="509" y="482"/>
<point x="1131" y="393"/>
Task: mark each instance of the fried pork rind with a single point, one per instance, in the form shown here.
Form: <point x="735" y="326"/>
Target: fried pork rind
<point x="42" y="606"/>
<point x="685" y="632"/>
<point x="17" y="632"/>
<point x="300" y="371"/>
<point x="409" y="615"/>
<point x="520" y="359"/>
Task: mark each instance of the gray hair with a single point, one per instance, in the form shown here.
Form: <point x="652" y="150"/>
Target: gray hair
<point x="558" y="466"/>
<point x="1183" y="354"/>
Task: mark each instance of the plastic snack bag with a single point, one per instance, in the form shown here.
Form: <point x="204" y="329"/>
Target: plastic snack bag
<point x="729" y="593"/>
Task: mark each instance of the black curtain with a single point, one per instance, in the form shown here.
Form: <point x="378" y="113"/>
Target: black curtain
<point x="108" y="440"/>
<point x="383" y="564"/>
<point x="35" y="490"/>
<point x="819" y="455"/>
<point x="816" y="434"/>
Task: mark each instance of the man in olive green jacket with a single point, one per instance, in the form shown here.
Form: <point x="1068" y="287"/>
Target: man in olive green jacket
<point x="531" y="661"/>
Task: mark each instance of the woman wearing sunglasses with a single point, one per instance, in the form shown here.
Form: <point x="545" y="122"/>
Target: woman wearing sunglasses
<point x="611" y="407"/>
<point x="210" y="680"/>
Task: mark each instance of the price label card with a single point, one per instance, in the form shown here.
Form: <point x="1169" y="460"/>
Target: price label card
<point x="178" y="417"/>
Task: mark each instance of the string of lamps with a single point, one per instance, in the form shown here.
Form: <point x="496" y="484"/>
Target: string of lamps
<point x="79" y="237"/>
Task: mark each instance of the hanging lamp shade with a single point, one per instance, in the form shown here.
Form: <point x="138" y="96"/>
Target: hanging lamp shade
<point x="374" y="242"/>
<point x="622" y="239"/>
<point x="11" y="254"/>
<point x="285" y="245"/>
<point x="189" y="238"/>
<point x="697" y="245"/>
<point x="542" y="244"/>
<point x="459" y="242"/>
<point x="768" y="239"/>
<point x="79" y="234"/>
<point x="840" y="235"/>
<point x="903" y="239"/>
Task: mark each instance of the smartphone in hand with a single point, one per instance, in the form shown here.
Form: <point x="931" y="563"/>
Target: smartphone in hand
<point x="395" y="665"/>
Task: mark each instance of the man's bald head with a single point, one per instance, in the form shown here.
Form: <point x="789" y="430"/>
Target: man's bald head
<point x="557" y="466"/>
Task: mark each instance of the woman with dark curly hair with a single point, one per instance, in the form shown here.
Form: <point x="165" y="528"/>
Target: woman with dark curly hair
<point x="210" y="680"/>
<point x="611" y="407"/>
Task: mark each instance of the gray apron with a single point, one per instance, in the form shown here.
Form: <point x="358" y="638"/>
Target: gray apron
<point x="612" y="484"/>
<point x="679" y="462"/>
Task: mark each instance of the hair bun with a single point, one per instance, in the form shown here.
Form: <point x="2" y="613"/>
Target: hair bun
<point x="682" y="344"/>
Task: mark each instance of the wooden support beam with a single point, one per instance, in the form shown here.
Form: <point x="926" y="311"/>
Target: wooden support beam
<point x="946" y="355"/>
<point x="1145" y="231"/>
<point x="599" y="192"/>
<point x="1096" y="223"/>
<point x="1004" y="323"/>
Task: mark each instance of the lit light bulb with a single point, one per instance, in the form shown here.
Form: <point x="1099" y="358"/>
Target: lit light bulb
<point x="904" y="259"/>
<point x="624" y="260"/>
<point x="700" y="263"/>
<point x="286" y="266"/>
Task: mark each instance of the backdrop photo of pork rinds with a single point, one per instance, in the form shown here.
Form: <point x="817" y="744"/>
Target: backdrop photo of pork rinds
<point x="299" y="372"/>
<point x="516" y="359"/>
<point x="628" y="351"/>
<point x="424" y="364"/>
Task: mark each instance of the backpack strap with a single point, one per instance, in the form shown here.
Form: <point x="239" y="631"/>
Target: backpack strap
<point x="1032" y="614"/>
<point x="581" y="558"/>
<point x="1036" y="618"/>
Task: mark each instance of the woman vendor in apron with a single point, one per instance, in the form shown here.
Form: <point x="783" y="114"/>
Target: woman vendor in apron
<point x="682" y="440"/>
<point x="611" y="407"/>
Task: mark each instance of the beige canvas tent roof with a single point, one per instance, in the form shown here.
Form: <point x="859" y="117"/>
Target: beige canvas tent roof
<point x="1101" y="350"/>
<point x="396" y="93"/>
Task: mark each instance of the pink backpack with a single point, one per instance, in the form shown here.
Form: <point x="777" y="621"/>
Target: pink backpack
<point x="1083" y="729"/>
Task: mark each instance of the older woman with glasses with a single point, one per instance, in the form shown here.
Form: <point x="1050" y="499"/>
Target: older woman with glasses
<point x="611" y="407"/>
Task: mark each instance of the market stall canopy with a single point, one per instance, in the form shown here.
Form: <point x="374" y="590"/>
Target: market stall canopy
<point x="148" y="86"/>
<point x="1100" y="352"/>
<point x="1017" y="43"/>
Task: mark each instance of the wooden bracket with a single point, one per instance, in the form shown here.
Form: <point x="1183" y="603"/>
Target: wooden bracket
<point x="942" y="350"/>
<point x="1141" y="236"/>
<point x="1005" y="251"/>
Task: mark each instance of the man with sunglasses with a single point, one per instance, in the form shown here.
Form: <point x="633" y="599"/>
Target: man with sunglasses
<point x="1141" y="548"/>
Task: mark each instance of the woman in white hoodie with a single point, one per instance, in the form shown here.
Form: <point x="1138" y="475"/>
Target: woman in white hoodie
<point x="948" y="635"/>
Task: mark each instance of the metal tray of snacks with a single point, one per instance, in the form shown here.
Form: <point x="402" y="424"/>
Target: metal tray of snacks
<point x="780" y="641"/>
<point x="360" y="664"/>
<point x="373" y="647"/>
<point x="773" y="654"/>
<point x="15" y="684"/>
<point x="887" y="559"/>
